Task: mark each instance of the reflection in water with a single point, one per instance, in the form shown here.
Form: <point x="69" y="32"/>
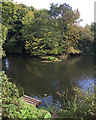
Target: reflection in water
<point x="38" y="78"/>
<point x="85" y="84"/>
<point x="55" y="84"/>
<point x="6" y="63"/>
<point x="48" y="101"/>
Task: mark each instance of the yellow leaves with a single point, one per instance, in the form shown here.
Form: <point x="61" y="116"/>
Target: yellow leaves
<point x="37" y="40"/>
<point x="93" y="103"/>
<point x="72" y="37"/>
<point x="72" y="50"/>
<point x="34" y="43"/>
<point x="27" y="44"/>
<point x="35" y="48"/>
<point x="28" y="18"/>
<point x="42" y="46"/>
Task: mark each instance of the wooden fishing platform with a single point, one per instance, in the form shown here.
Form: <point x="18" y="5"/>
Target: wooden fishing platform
<point x="30" y="100"/>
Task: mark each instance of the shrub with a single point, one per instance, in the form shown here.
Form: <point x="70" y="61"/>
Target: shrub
<point x="30" y="112"/>
<point x="80" y="105"/>
<point x="10" y="97"/>
<point x="14" y="107"/>
<point x="67" y="98"/>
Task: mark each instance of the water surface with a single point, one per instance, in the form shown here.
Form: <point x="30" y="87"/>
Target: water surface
<point x="38" y="78"/>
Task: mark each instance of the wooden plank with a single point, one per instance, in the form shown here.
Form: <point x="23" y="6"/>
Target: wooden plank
<point x="31" y="100"/>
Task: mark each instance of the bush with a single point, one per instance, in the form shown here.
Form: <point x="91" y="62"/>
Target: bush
<point x="68" y="114"/>
<point x="14" y="107"/>
<point x="10" y="97"/>
<point x="29" y="112"/>
<point x="80" y="105"/>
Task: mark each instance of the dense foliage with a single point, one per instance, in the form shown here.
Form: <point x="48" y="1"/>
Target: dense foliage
<point x="14" y="107"/>
<point x="78" y="104"/>
<point x="44" y="32"/>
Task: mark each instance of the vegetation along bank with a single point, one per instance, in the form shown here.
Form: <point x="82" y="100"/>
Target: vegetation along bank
<point x="54" y="32"/>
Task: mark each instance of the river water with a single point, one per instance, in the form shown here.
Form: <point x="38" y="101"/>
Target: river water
<point x="41" y="79"/>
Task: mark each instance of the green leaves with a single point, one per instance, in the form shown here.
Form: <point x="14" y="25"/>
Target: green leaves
<point x="13" y="105"/>
<point x="10" y="97"/>
<point x="28" y="18"/>
<point x="63" y="14"/>
<point x="35" y="46"/>
<point x="86" y="41"/>
<point x="3" y="34"/>
<point x="56" y="27"/>
<point x="80" y="105"/>
<point x="8" y="13"/>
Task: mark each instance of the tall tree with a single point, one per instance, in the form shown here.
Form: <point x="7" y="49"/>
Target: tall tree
<point x="64" y="15"/>
<point x="14" y="42"/>
<point x="86" y="40"/>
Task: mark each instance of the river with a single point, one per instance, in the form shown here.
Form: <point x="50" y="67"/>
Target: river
<point x="41" y="79"/>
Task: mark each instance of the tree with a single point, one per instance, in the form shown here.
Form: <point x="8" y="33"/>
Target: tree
<point x="45" y="32"/>
<point x="86" y="40"/>
<point x="3" y="34"/>
<point x="65" y="18"/>
<point x="64" y="15"/>
<point x="71" y="39"/>
<point x="14" y="43"/>
<point x="43" y="27"/>
<point x="35" y="46"/>
<point x="8" y="13"/>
